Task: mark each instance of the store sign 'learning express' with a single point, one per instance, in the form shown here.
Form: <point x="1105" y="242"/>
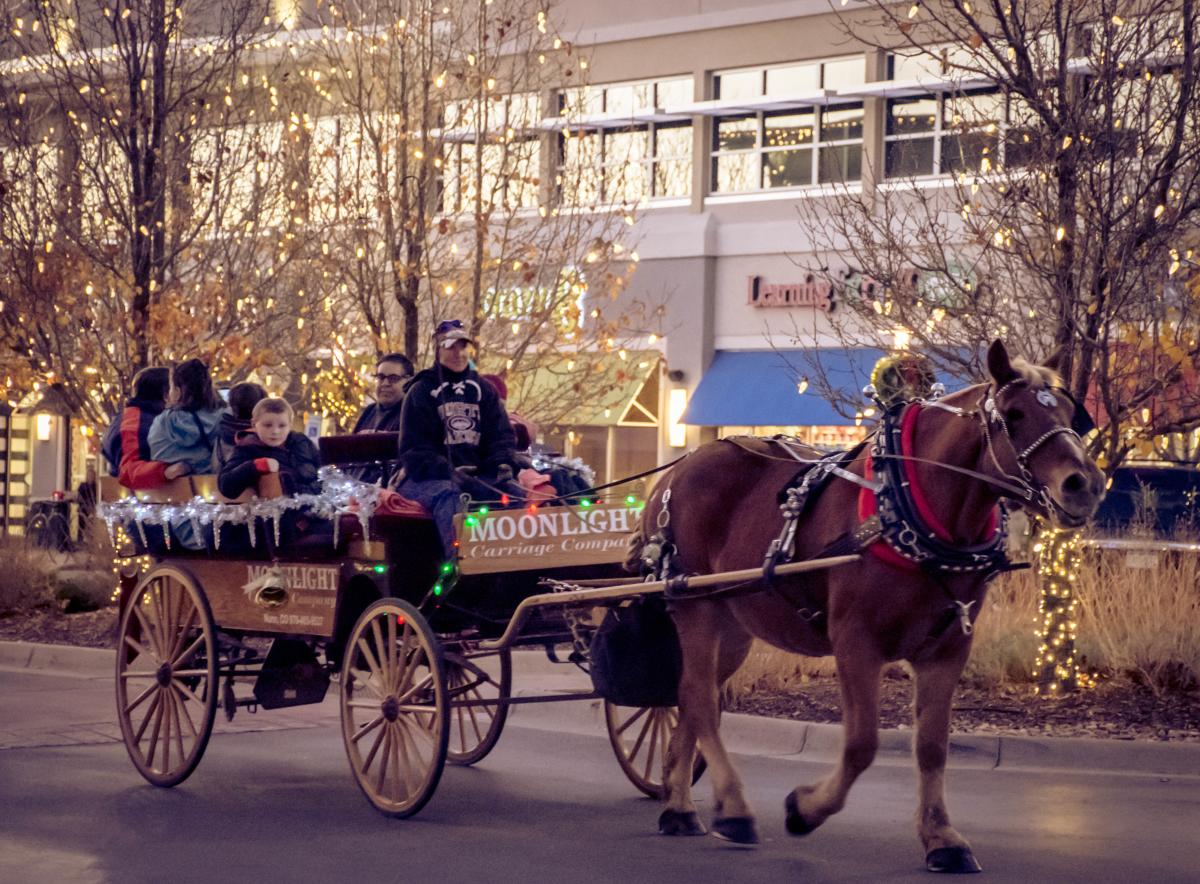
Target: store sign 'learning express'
<point x="815" y="293"/>
<point x="550" y="536"/>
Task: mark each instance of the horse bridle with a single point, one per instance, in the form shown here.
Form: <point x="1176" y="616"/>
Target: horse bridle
<point x="989" y="412"/>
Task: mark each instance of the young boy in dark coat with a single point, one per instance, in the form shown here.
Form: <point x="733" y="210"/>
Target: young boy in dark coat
<point x="271" y="447"/>
<point x="242" y="399"/>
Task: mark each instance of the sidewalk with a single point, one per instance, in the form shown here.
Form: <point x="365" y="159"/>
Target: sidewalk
<point x="534" y="674"/>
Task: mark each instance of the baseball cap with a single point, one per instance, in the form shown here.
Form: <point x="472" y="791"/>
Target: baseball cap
<point x="450" y="330"/>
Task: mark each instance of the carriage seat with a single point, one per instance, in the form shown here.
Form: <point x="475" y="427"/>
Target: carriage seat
<point x="354" y="449"/>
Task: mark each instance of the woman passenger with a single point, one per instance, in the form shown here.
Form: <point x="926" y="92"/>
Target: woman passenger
<point x="187" y="431"/>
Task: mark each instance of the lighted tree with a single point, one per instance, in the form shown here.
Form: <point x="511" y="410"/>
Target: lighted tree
<point x="439" y="191"/>
<point x="1073" y="193"/>
<point x="147" y="212"/>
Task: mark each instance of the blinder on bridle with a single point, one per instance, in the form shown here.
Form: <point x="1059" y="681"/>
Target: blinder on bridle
<point x="1081" y="421"/>
<point x="1081" y="424"/>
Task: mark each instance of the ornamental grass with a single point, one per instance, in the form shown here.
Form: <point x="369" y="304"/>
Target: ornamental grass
<point x="1139" y="618"/>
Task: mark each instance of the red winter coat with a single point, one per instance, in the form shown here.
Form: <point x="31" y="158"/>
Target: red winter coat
<point x="137" y="469"/>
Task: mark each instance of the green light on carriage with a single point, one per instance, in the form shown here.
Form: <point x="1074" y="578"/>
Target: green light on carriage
<point x="483" y="511"/>
<point x="381" y="569"/>
<point x="630" y="499"/>
<point x="585" y="502"/>
<point x="437" y="588"/>
<point x="472" y="521"/>
<point x="447" y="567"/>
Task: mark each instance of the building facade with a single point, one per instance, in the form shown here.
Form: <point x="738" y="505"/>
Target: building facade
<point x="784" y="112"/>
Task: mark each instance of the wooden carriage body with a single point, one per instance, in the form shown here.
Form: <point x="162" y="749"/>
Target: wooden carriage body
<point x="374" y="601"/>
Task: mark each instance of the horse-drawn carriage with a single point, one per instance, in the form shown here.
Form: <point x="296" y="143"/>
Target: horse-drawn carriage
<point x="745" y="536"/>
<point x="261" y="617"/>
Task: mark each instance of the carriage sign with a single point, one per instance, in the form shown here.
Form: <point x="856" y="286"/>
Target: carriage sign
<point x="544" y="537"/>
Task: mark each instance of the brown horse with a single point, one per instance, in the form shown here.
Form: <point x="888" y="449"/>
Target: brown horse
<point x="908" y="597"/>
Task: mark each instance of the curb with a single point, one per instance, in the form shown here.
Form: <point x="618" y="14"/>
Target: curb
<point x="534" y="674"/>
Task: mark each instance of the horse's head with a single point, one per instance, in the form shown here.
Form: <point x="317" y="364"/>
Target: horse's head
<point x="1034" y="428"/>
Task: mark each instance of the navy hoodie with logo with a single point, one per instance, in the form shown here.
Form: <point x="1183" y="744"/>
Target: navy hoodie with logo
<point x="452" y="419"/>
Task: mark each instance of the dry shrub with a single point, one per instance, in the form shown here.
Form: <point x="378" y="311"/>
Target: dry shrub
<point x="1142" y="621"/>
<point x="25" y="578"/>
<point x="1136" y="621"/>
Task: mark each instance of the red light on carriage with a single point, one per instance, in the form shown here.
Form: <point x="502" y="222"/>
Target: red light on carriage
<point x="533" y="509"/>
<point x="503" y="500"/>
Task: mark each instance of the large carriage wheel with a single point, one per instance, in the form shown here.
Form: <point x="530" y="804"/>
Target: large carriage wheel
<point x="394" y="707"/>
<point x="166" y="675"/>
<point x="639" y="737"/>
<point x="475" y="729"/>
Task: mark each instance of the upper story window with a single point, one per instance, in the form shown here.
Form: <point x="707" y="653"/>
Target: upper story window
<point x="808" y="144"/>
<point x="939" y="134"/>
<point x="624" y="163"/>
<point x="496" y="164"/>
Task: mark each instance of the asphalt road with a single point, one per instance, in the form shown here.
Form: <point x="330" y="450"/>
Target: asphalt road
<point x="280" y="805"/>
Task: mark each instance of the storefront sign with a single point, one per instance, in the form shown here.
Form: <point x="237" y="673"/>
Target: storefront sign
<point x="950" y="289"/>
<point x="544" y="537"/>
<point x="813" y="292"/>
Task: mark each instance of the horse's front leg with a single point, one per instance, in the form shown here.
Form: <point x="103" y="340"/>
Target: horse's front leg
<point x="945" y="849"/>
<point x="710" y="653"/>
<point x="858" y="673"/>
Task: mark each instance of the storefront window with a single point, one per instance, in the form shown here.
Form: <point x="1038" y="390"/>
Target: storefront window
<point x="938" y="134"/>
<point x="791" y="148"/>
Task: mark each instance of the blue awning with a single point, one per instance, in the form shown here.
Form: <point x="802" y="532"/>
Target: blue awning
<point x="754" y="388"/>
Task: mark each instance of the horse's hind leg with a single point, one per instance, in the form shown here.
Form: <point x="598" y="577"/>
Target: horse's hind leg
<point x="858" y="674"/>
<point x="945" y="849"/>
<point x="704" y="628"/>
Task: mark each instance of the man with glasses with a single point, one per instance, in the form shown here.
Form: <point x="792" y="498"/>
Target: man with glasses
<point x="455" y="436"/>
<point x="392" y="374"/>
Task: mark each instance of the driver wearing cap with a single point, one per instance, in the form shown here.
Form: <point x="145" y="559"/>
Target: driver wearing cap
<point x="455" y="435"/>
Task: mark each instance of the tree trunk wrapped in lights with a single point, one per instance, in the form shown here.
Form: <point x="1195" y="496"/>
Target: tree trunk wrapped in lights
<point x="1056" y="671"/>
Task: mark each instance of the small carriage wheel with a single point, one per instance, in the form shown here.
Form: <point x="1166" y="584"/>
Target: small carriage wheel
<point x="395" y="707"/>
<point x="639" y="737"/>
<point x="166" y="675"/>
<point x="475" y="729"/>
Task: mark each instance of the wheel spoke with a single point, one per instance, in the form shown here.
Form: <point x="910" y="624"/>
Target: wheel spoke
<point x="629" y="721"/>
<point x="363" y="704"/>
<point x="650" y="749"/>
<point x="384" y="758"/>
<point x="367" y="728"/>
<point x="137" y="646"/>
<point x="374" y="749"/>
<point x="146" y="630"/>
<point x="177" y="715"/>
<point x="189" y="673"/>
<point x="154" y="732"/>
<point x="137" y="738"/>
<point x="412" y="781"/>
<point x="392" y="663"/>
<point x="420" y="686"/>
<point x="187" y="655"/>
<point x="380" y="666"/>
<point x="141" y="698"/>
<point x="182" y="695"/>
<point x="180" y="636"/>
<point x="407" y="663"/>
<point x="637" y="746"/>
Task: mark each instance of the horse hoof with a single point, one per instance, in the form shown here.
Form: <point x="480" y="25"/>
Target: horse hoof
<point x="794" y="820"/>
<point x="952" y="861"/>
<point x="672" y="822"/>
<point x="737" y="829"/>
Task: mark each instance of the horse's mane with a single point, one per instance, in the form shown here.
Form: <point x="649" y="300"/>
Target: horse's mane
<point x="1037" y="375"/>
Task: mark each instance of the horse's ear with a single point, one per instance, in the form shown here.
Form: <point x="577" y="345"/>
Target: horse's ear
<point x="998" y="363"/>
<point x="1054" y="360"/>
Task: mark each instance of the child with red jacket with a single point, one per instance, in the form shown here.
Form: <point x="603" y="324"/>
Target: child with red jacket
<point x="271" y="447"/>
<point x="136" y="470"/>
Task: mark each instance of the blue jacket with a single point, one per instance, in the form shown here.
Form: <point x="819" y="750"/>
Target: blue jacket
<point x="181" y="436"/>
